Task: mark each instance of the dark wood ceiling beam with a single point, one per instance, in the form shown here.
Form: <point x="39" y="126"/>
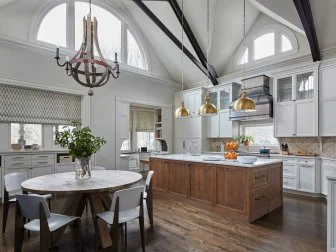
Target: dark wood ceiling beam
<point x="176" y="41"/>
<point x="178" y="12"/>
<point x="306" y="16"/>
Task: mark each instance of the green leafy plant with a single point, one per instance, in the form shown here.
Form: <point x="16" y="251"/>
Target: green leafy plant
<point x="243" y="139"/>
<point x="79" y="141"/>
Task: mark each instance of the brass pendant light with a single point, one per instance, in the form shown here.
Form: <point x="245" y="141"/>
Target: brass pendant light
<point x="182" y="112"/>
<point x="208" y="109"/>
<point x="244" y="104"/>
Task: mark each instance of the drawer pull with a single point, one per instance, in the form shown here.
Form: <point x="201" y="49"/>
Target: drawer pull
<point x="42" y="156"/>
<point x="16" y="158"/>
<point x="260" y="198"/>
<point x="259" y="177"/>
<point x="44" y="162"/>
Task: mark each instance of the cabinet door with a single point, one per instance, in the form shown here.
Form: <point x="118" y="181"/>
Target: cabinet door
<point x="306" y="119"/>
<point x="179" y="178"/>
<point x="40" y="171"/>
<point x="198" y="101"/>
<point x="326" y="121"/>
<point x="214" y="98"/>
<point x="224" y="99"/>
<point x="284" y="89"/>
<point x="161" y="173"/>
<point x="213" y="126"/>
<point x="305" y="86"/>
<point x="307" y="178"/>
<point x="284" y="120"/>
<point x="225" y="125"/>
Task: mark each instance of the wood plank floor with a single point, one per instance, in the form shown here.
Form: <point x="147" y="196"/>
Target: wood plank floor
<point x="299" y="226"/>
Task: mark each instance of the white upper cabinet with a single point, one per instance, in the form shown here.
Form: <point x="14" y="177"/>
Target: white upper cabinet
<point x="222" y="96"/>
<point x="327" y="108"/>
<point x="193" y="101"/>
<point x="296" y="104"/>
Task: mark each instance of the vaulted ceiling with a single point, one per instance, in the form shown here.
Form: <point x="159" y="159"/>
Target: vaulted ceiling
<point x="226" y="27"/>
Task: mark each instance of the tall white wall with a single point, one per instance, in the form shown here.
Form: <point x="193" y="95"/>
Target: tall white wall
<point x="22" y="65"/>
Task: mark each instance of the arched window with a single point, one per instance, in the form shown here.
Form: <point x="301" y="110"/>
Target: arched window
<point x="63" y="26"/>
<point x="272" y="43"/>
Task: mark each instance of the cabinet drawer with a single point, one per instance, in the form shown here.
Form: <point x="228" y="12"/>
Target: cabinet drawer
<point x="259" y="202"/>
<point x="329" y="163"/>
<point x="17" y="158"/>
<point x="290" y="170"/>
<point x="18" y="164"/>
<point x="290" y="182"/>
<point x="289" y="161"/>
<point x="306" y="161"/>
<point x="43" y="156"/>
<point x="260" y="177"/>
<point x="41" y="162"/>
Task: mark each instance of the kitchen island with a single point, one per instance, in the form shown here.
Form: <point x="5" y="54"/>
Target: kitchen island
<point x="246" y="190"/>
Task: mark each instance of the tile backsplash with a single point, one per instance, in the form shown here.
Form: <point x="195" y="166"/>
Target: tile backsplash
<point x="308" y="144"/>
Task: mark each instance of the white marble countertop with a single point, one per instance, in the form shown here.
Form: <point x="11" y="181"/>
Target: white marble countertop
<point x="9" y="152"/>
<point x="271" y="155"/>
<point x="199" y="159"/>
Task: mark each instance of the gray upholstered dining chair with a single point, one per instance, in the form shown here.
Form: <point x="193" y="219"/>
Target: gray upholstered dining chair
<point x="12" y="185"/>
<point x="148" y="196"/>
<point x="126" y="205"/>
<point x="35" y="208"/>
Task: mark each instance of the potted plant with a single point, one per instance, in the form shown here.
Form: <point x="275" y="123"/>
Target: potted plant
<point x="245" y="139"/>
<point x="81" y="145"/>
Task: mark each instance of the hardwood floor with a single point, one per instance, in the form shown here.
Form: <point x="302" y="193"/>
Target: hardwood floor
<point x="299" y="226"/>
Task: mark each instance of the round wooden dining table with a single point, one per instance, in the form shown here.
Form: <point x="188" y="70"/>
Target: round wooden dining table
<point x="78" y="192"/>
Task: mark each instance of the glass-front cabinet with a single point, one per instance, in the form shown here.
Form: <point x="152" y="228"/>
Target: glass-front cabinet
<point x="224" y="99"/>
<point x="296" y="104"/>
<point x="214" y="98"/>
<point x="284" y="89"/>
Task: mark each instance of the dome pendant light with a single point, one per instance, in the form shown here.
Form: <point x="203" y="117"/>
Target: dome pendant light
<point x="244" y="104"/>
<point x="182" y="112"/>
<point x="208" y="109"/>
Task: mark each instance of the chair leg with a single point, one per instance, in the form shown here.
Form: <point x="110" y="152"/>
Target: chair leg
<point x="149" y="204"/>
<point x="125" y="236"/>
<point x="4" y="215"/>
<point x="142" y="232"/>
<point x="80" y="235"/>
<point x="19" y="230"/>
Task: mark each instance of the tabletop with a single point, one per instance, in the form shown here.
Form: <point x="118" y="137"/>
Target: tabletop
<point x="65" y="183"/>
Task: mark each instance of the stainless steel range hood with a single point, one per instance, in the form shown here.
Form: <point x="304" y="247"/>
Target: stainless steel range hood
<point x="258" y="90"/>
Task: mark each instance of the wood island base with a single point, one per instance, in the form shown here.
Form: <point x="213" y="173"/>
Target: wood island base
<point x="246" y="192"/>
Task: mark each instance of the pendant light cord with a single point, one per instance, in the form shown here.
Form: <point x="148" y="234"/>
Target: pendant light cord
<point x="244" y="45"/>
<point x="182" y="49"/>
<point x="90" y="6"/>
<point x="208" y="34"/>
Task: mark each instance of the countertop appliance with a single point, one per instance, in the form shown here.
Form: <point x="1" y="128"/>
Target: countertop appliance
<point x="259" y="91"/>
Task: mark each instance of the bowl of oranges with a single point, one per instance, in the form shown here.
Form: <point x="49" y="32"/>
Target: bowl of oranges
<point x="231" y="151"/>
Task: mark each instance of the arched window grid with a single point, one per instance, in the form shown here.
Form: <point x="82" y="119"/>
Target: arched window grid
<point x="278" y="31"/>
<point x="70" y="31"/>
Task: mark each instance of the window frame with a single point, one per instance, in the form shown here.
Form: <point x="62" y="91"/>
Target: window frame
<point x="256" y="124"/>
<point x="70" y="33"/>
<point x="278" y="31"/>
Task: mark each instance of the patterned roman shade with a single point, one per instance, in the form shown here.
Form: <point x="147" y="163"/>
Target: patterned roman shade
<point x="28" y="105"/>
<point x="145" y="121"/>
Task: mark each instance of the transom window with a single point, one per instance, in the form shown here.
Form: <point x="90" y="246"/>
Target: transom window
<point x="63" y="26"/>
<point x="271" y="43"/>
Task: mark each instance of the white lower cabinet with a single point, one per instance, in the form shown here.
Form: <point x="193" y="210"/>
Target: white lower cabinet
<point x="307" y="178"/>
<point x="302" y="174"/>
